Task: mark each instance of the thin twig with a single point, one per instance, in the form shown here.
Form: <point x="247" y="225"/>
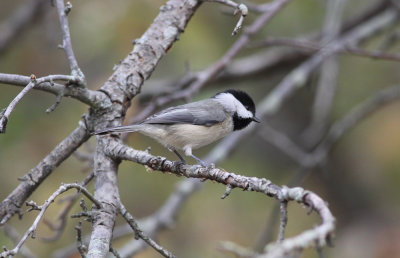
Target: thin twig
<point x="67" y="45"/>
<point x="14" y="236"/>
<point x="139" y="233"/>
<point x="4" y="115"/>
<point x="320" y="235"/>
<point x="82" y="249"/>
<point x="56" y="103"/>
<point x="62" y="216"/>
<point x="165" y="216"/>
<point x="297" y="78"/>
<point x="235" y="249"/>
<point x="312" y="47"/>
<point x="32" y="180"/>
<point x="283" y="220"/>
<point x="33" y="82"/>
<point x="227" y="192"/>
<point x="318" y="156"/>
<point x="283" y="143"/>
<point x="114" y="252"/>
<point x="31" y="231"/>
<point x="242" y="8"/>
<point x="355" y="115"/>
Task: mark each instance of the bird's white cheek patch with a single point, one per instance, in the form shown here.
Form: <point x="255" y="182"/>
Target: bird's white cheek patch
<point x="232" y="105"/>
<point x="242" y="111"/>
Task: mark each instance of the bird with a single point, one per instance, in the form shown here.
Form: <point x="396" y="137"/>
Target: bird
<point x="196" y="124"/>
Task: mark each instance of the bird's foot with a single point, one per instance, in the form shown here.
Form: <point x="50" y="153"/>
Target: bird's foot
<point x="203" y="163"/>
<point x="178" y="163"/>
<point x="208" y="165"/>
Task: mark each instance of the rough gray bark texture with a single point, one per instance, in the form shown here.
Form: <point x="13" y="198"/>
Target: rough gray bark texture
<point x="121" y="87"/>
<point x="109" y="105"/>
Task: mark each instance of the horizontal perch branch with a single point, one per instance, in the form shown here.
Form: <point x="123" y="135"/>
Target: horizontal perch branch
<point x="320" y="235"/>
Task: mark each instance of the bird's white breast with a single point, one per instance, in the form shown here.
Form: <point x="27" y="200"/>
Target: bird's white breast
<point x="183" y="136"/>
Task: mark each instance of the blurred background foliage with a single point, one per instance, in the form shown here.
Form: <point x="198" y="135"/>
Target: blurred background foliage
<point x="361" y="180"/>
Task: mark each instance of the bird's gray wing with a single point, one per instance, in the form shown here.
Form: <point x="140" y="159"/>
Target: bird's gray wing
<point x="205" y="112"/>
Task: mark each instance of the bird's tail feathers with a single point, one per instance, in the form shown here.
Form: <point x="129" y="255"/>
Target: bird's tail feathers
<point x="118" y="129"/>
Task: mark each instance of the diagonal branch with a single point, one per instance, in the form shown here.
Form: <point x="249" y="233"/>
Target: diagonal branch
<point x="13" y="202"/>
<point x="9" y="231"/>
<point x="200" y="79"/>
<point x="7" y="112"/>
<point x="356" y="114"/>
<point x="297" y="78"/>
<point x="139" y="233"/>
<point x="164" y="217"/>
<point x="318" y="156"/>
<point x="62" y="216"/>
<point x="31" y="231"/>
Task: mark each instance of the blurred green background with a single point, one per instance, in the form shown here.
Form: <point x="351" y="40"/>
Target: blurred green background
<point x="361" y="183"/>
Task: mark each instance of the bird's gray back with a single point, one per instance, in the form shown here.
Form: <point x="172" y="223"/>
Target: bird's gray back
<point x="205" y="112"/>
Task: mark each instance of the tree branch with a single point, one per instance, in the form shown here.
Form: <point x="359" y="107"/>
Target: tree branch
<point x="276" y="59"/>
<point x="164" y="217"/>
<point x="327" y="81"/>
<point x="94" y="99"/>
<point x="242" y="8"/>
<point x="319" y="234"/>
<point x="106" y="191"/>
<point x="297" y="78"/>
<point x="139" y="233"/>
<point x="312" y="47"/>
<point x="283" y="221"/>
<point x="12" y="204"/>
<point x="121" y="87"/>
<point x="200" y="79"/>
<point x="62" y="216"/>
<point x="31" y="231"/>
<point x="356" y="114"/>
<point x="15" y="237"/>
<point x="67" y="45"/>
<point x="7" y="112"/>
<point x="33" y="83"/>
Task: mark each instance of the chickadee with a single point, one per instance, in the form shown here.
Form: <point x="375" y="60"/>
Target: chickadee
<point x="194" y="125"/>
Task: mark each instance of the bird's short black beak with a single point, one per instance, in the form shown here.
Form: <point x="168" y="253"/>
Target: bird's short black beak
<point x="256" y="119"/>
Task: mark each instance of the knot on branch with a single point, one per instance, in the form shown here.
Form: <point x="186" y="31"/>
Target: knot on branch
<point x="157" y="163"/>
<point x="295" y="193"/>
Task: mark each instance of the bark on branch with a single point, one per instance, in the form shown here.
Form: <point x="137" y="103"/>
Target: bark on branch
<point x="121" y="87"/>
<point x="320" y="235"/>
